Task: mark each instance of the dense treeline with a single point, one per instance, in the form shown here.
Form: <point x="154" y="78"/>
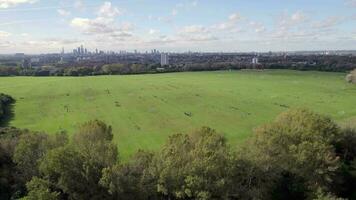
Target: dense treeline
<point x="301" y="155"/>
<point x="114" y="69"/>
<point x="85" y="69"/>
<point x="5" y="101"/>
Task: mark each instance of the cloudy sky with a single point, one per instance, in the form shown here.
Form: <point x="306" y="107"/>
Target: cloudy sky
<point x="39" y="26"/>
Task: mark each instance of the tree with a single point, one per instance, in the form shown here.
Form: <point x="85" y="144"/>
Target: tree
<point x="193" y="166"/>
<point x="345" y="147"/>
<point x="74" y="170"/>
<point x="351" y="77"/>
<point x="31" y="148"/>
<point x="94" y="142"/>
<point x="59" y="167"/>
<point x="130" y="180"/>
<point x="296" y="149"/>
<point x="320" y="195"/>
<point x="40" y="190"/>
<point x="5" y="101"/>
<point x="11" y="186"/>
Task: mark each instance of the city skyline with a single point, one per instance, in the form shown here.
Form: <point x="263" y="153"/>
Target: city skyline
<point x="38" y="26"/>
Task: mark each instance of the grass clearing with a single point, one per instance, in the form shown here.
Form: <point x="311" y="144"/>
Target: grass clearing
<point x="145" y="109"/>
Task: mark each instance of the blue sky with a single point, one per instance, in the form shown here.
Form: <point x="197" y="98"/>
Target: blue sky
<point x="40" y="26"/>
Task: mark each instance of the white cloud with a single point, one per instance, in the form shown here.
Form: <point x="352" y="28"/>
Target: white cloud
<point x="165" y="19"/>
<point x="79" y="4"/>
<point x="329" y="22"/>
<point x="287" y="21"/>
<point x="127" y="26"/>
<point x="287" y="25"/>
<point x="63" y="12"/>
<point x="13" y="3"/>
<point x="80" y="22"/>
<point x="4" y="34"/>
<point x="107" y="10"/>
<point x="229" y="24"/>
<point x="194" y="29"/>
<point x="298" y="17"/>
<point x="198" y="38"/>
<point x="103" y="23"/>
<point x="153" y="31"/>
<point x="235" y="17"/>
<point x="61" y="41"/>
<point x="174" y="12"/>
<point x="93" y="26"/>
<point x="5" y="44"/>
<point x="189" y="5"/>
<point x="195" y="33"/>
<point x="162" y="40"/>
<point x="258" y="27"/>
<point x="52" y="43"/>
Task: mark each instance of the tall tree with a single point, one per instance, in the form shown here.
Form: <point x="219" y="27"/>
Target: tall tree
<point x="193" y="166"/>
<point x="75" y="169"/>
<point x="296" y="150"/>
<point x="131" y="180"/>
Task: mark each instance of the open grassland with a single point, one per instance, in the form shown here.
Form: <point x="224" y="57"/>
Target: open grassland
<point x="145" y="109"/>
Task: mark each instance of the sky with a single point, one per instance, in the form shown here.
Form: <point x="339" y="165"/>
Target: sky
<point x="47" y="26"/>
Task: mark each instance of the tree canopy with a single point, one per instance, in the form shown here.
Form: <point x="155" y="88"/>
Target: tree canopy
<point x="301" y="155"/>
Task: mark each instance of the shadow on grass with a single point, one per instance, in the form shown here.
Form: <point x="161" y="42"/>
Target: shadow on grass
<point x="9" y="114"/>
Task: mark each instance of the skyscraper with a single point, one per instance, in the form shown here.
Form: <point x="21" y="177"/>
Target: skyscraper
<point x="255" y="60"/>
<point x="164" y="59"/>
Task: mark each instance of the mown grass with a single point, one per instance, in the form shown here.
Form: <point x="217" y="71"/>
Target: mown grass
<point x="145" y="109"/>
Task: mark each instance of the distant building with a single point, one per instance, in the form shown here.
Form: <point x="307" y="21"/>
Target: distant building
<point x="164" y="59"/>
<point x="155" y="51"/>
<point x="26" y="63"/>
<point x="35" y="60"/>
<point x="255" y="60"/>
<point x="19" y="55"/>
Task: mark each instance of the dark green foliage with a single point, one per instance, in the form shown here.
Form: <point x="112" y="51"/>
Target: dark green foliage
<point x="5" y="101"/>
<point x="296" y="150"/>
<point x="301" y="155"/>
<point x="74" y="170"/>
<point x="93" y="142"/>
<point x="11" y="186"/>
<point x="193" y="166"/>
<point x="31" y="148"/>
<point x="63" y="167"/>
<point x="40" y="190"/>
<point x="345" y="147"/>
<point x="131" y="180"/>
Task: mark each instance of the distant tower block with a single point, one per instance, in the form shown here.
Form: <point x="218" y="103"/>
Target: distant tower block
<point x="255" y="60"/>
<point x="164" y="59"/>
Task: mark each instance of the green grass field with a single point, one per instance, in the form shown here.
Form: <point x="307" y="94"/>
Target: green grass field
<point x="145" y="109"/>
